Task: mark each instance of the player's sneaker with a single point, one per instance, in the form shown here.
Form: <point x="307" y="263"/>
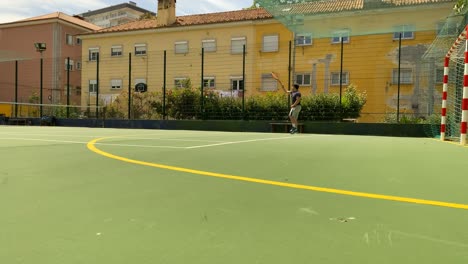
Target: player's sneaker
<point x="293" y="130"/>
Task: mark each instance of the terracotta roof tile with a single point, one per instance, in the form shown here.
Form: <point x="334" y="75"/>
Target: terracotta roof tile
<point x="414" y="2"/>
<point x="315" y="7"/>
<point x="334" y="6"/>
<point x="323" y="6"/>
<point x="191" y="20"/>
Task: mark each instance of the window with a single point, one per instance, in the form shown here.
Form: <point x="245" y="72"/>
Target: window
<point x="93" y="54"/>
<point x="439" y="78"/>
<point x="335" y="78"/>
<point x="93" y="86"/>
<point x="268" y="83"/>
<point x="181" y="82"/>
<point x="181" y="47"/>
<point x="116" y="84"/>
<point x="237" y="45"/>
<point x="69" y="66"/>
<point x="69" y="90"/>
<point x="78" y="90"/>
<point x="78" y="65"/>
<point x="116" y="51"/>
<point x="140" y="49"/>
<point x="78" y="41"/>
<point x="270" y="43"/>
<point x="406" y="76"/>
<point x="208" y="82"/>
<point x="341" y="34"/>
<point x="303" y="78"/>
<point x="303" y="39"/>
<point x="406" y="32"/>
<point x="69" y="39"/>
<point x="209" y="45"/>
<point x="237" y="83"/>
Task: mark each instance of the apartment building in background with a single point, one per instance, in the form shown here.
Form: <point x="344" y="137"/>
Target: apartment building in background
<point x="328" y="43"/>
<point x="20" y="60"/>
<point x="115" y="15"/>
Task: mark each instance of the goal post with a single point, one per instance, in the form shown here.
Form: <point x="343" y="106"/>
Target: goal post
<point x="454" y="111"/>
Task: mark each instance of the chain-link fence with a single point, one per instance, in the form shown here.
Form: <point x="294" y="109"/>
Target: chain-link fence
<point x="388" y="72"/>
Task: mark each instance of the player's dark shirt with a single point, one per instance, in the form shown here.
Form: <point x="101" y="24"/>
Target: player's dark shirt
<point x="294" y="96"/>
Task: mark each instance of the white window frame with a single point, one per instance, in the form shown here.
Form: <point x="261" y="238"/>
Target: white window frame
<point x="92" y="86"/>
<point x="237" y="83"/>
<point x="268" y="83"/>
<point x="270" y="43"/>
<point x="69" y="39"/>
<point x="93" y="54"/>
<point x="78" y="65"/>
<point x="116" y="51"/>
<point x="237" y="45"/>
<point x="140" y="49"/>
<point x="69" y="65"/>
<point x="209" y="45"/>
<point x="335" y="78"/>
<point x="337" y="35"/>
<point x="179" y="82"/>
<point x="303" y="79"/>
<point x="304" y="39"/>
<point x="406" y="76"/>
<point x="407" y="32"/>
<point x="116" y="84"/>
<point x="181" y="47"/>
<point x="209" y="82"/>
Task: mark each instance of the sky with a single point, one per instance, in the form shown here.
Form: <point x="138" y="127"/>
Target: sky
<point x="13" y="10"/>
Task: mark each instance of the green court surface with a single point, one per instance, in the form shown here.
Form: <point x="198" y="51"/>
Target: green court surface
<point x="111" y="196"/>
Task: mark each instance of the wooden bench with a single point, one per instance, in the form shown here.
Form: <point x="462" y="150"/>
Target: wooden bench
<point x="285" y="127"/>
<point x="19" y="121"/>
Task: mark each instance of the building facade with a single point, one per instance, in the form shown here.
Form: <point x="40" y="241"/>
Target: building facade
<point x="19" y="57"/>
<point x="115" y="15"/>
<point x="325" y="53"/>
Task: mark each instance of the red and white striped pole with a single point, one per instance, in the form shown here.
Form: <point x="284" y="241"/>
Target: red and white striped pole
<point x="443" y="120"/>
<point x="464" y="118"/>
<point x="463" y="125"/>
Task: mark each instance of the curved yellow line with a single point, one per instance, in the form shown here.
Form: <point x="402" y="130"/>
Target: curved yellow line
<point x="91" y="146"/>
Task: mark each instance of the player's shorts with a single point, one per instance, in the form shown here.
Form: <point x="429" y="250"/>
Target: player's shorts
<point x="295" y="111"/>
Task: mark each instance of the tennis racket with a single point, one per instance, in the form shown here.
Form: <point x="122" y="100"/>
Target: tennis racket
<point x="278" y="80"/>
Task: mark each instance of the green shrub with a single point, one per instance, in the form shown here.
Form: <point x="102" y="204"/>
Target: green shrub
<point x="185" y="103"/>
<point x="352" y="102"/>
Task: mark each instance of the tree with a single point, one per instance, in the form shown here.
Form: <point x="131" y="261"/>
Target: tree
<point x="459" y="6"/>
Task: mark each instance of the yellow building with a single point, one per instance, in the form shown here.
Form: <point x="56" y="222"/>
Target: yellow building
<point x="310" y="53"/>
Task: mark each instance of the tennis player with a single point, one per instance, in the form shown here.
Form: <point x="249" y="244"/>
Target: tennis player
<point x="295" y="107"/>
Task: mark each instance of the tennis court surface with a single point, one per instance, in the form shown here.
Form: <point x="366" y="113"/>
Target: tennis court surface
<point x="108" y="196"/>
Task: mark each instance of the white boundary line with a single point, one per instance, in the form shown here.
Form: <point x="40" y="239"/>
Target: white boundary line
<point x="237" y="142"/>
<point x="119" y="137"/>
<point x="147" y="146"/>
<point x="81" y="142"/>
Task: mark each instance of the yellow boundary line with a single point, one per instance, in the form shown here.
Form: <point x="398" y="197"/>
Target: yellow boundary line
<point x="91" y="146"/>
